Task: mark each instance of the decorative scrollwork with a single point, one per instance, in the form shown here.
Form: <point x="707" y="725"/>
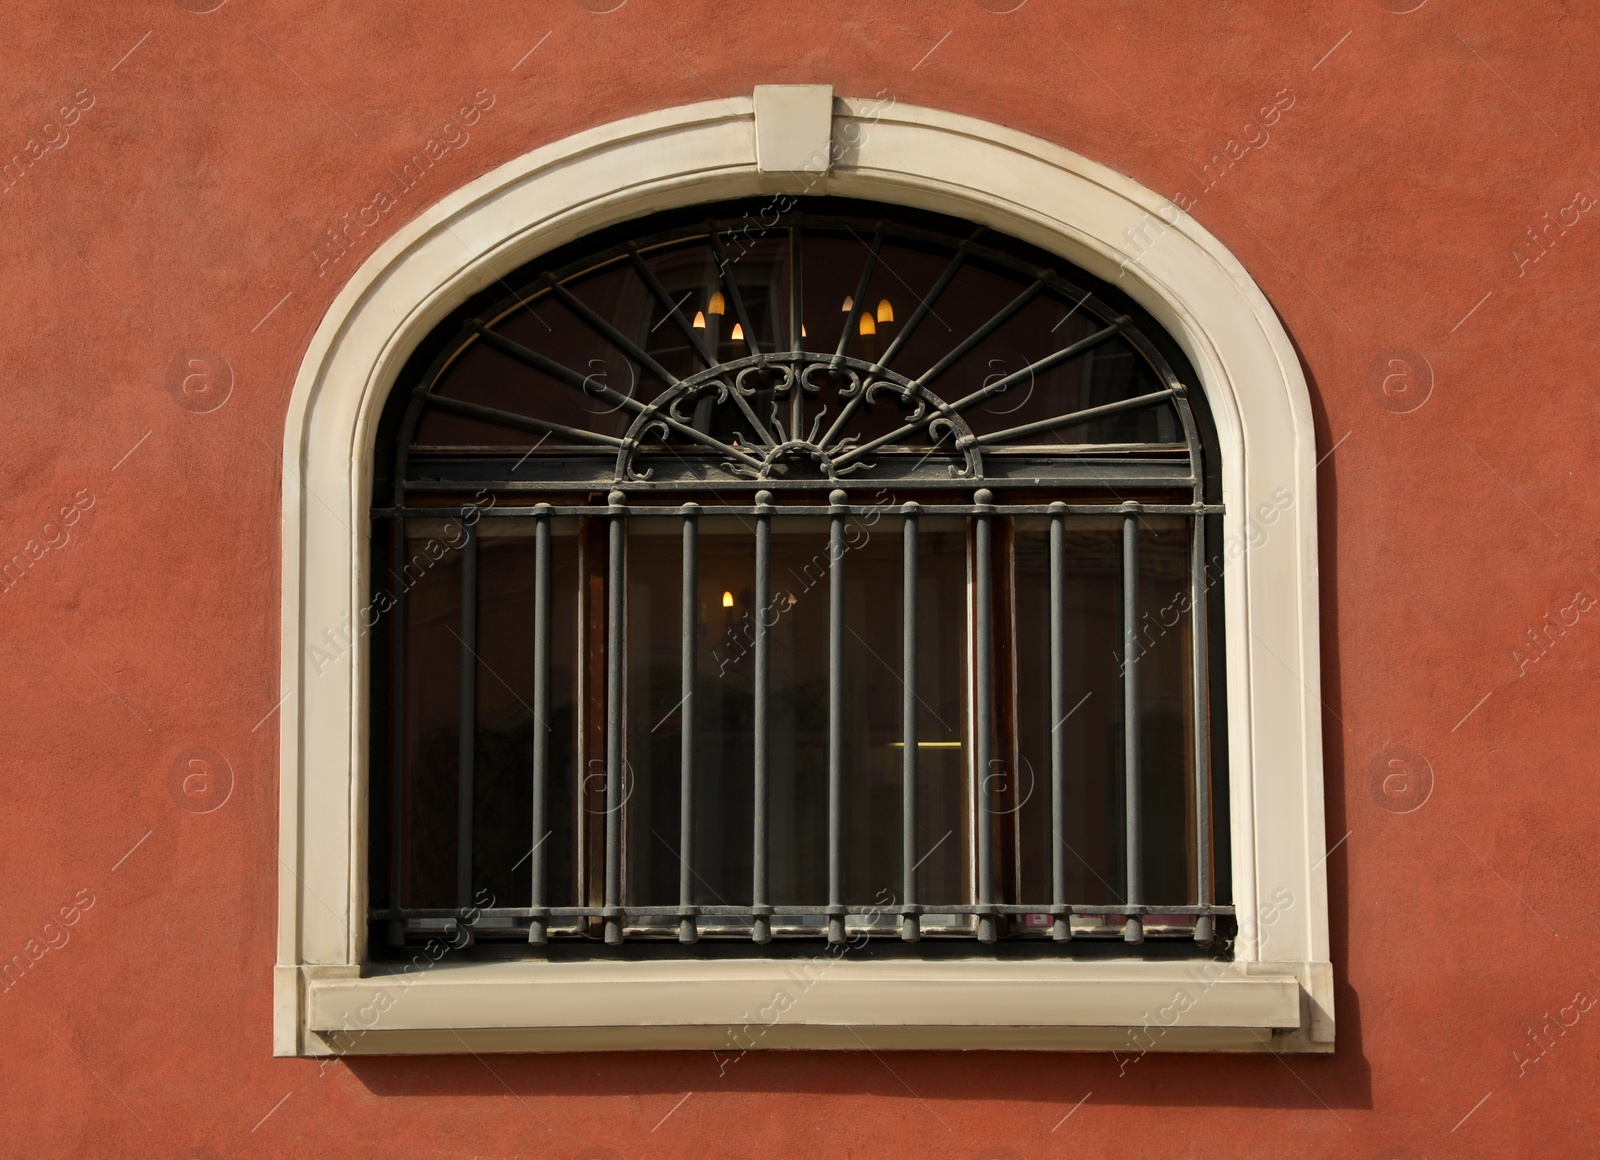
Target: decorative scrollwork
<point x="773" y="447"/>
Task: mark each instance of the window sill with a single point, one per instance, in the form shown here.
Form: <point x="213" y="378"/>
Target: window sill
<point x="814" y="1004"/>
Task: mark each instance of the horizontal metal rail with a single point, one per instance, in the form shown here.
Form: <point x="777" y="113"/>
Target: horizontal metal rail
<point x="889" y="911"/>
<point x="502" y="511"/>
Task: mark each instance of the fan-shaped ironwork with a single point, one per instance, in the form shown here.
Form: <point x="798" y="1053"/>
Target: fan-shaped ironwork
<point x="785" y="409"/>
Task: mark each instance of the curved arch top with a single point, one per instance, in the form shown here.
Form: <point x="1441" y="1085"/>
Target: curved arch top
<point x="919" y="157"/>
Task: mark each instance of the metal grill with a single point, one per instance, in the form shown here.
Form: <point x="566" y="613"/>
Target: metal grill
<point x="732" y="410"/>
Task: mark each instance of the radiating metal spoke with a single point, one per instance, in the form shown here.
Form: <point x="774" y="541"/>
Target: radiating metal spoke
<point x="925" y="307"/>
<point x="797" y="327"/>
<point x="938" y="410"/>
<point x="520" y="422"/>
<point x="1000" y="318"/>
<point x="591" y="388"/>
<point x="542" y="363"/>
<point x="610" y="333"/>
<point x="858" y="299"/>
<point x="731" y="285"/>
<point x="1049" y="362"/>
<point x="647" y="276"/>
<point x="1077" y="418"/>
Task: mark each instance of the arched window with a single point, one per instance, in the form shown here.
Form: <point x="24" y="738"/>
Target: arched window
<point x="776" y="570"/>
<point x="995" y="538"/>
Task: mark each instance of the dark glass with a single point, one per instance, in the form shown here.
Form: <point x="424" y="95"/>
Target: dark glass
<point x="1093" y="724"/>
<point x="1166" y="707"/>
<point x="503" y="774"/>
<point x="798" y="623"/>
<point x="431" y="583"/>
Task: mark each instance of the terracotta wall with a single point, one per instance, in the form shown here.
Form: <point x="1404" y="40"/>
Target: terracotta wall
<point x="1421" y="210"/>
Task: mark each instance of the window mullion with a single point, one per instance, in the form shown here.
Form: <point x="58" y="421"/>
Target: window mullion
<point x="982" y="725"/>
<point x="1133" y="932"/>
<point x="616" y="655"/>
<point x="466" y="751"/>
<point x="688" y="927"/>
<point x="760" y="908"/>
<point x="538" y="920"/>
<point x="910" y="928"/>
<point x="836" y="910"/>
<point x="1061" y="926"/>
<point x="1204" y="931"/>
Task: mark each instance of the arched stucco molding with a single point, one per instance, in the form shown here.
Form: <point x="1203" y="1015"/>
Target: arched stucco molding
<point x="921" y="157"/>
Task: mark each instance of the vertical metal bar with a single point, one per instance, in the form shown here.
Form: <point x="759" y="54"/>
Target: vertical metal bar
<point x="467" y="710"/>
<point x="983" y="646"/>
<point x="1204" y="929"/>
<point x="582" y="712"/>
<point x="688" y="928"/>
<point x="1134" y="931"/>
<point x="397" y="727"/>
<point x="538" y="931"/>
<point x="836" y="910"/>
<point x="1061" y="927"/>
<point x="616" y="606"/>
<point x="910" y="925"/>
<point x="760" y="909"/>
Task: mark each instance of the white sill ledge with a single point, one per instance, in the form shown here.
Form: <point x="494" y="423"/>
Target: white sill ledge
<point x="813" y="1004"/>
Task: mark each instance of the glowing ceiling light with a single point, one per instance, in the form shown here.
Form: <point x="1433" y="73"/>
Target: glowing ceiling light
<point x="849" y="305"/>
<point x="727" y="600"/>
<point x="867" y="325"/>
<point x="885" y="311"/>
<point x="738" y="332"/>
<point x="699" y="320"/>
<point x="715" y="306"/>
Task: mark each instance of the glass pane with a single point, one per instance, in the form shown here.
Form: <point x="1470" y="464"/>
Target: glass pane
<point x="798" y="618"/>
<point x="503" y="782"/>
<point x="431" y="583"/>
<point x="502" y="810"/>
<point x="655" y="712"/>
<point x="1093" y="723"/>
<point x="944" y="829"/>
<point x="875" y="688"/>
<point x="1166" y="709"/>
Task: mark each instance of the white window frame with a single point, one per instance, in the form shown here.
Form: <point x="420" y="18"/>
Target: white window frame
<point x="1278" y="993"/>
